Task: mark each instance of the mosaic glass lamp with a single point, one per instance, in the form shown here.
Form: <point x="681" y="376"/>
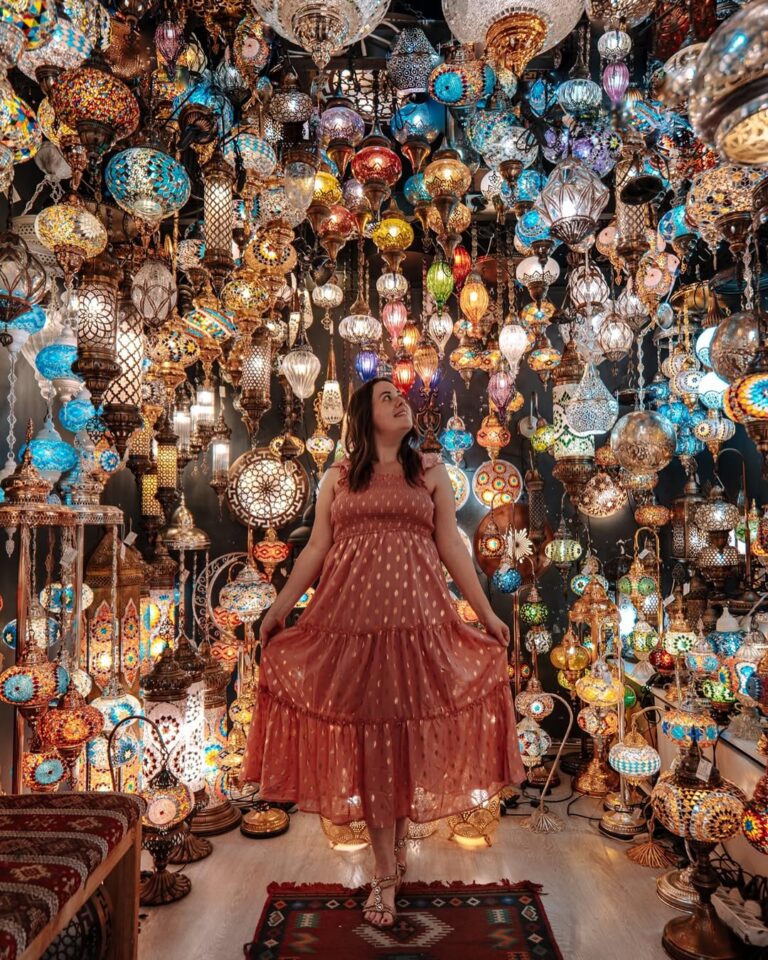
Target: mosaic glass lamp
<point x="97" y="104"/>
<point x="147" y="183"/>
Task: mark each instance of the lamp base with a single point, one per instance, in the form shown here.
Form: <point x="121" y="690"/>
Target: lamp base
<point x="700" y="936"/>
<point x="623" y="824"/>
<point x="216" y="818"/>
<point x="191" y="849"/>
<point x="163" y="887"/>
<point x="265" y="821"/>
<point x="675" y="888"/>
<point x="537" y="778"/>
<point x="596" y="779"/>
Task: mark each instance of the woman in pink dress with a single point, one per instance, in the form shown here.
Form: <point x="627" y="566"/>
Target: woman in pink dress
<point x="380" y="703"/>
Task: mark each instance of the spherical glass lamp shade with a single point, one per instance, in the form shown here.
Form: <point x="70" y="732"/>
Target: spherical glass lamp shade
<point x="116" y="705"/>
<point x="580" y="95"/>
<point x="687" y="724"/>
<point x="301" y="367"/>
<point x="255" y="154"/>
<point x="43" y="771"/>
<point x="95" y="103"/>
<point x="506" y="579"/>
<point x="340" y="122"/>
<point x="534" y="612"/>
<point x="32" y="682"/>
<point x="50" y="454"/>
<point x="323" y="31"/>
<point x="634" y="758"/>
<point x="599" y="687"/>
<point x="716" y="514"/>
<point x="376" y="163"/>
<point x="72" y="233"/>
<point x="392" y="286"/>
<point x="508" y="146"/>
<point x="415" y="190"/>
<point x="602" y="496"/>
<point x="734" y="345"/>
<point x="461" y="81"/>
<point x="712" y="391"/>
<point x="643" y="441"/>
<point x="147" y="183"/>
<point x="727" y="105"/>
<point x="19" y="129"/>
<point x="515" y="32"/>
<point x="440" y="282"/>
<point x="417" y="121"/>
<point x="54" y="362"/>
<point x="327" y="296"/>
<point x="447" y="176"/>
<point x="392" y="235"/>
<point x="572" y="201"/>
<point x="705" y="811"/>
<point x="248" y="595"/>
<point x="533" y="742"/>
<point x="563" y="549"/>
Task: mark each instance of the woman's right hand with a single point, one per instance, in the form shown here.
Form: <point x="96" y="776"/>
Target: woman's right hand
<point x="271" y="623"/>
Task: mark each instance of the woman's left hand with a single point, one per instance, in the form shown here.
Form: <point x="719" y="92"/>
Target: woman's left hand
<point x="497" y="629"/>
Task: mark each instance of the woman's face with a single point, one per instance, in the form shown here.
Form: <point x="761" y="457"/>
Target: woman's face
<point x="391" y="412"/>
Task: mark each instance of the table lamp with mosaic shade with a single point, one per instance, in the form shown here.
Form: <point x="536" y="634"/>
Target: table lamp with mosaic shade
<point x="704" y="809"/>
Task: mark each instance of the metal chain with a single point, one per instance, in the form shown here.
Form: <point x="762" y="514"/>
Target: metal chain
<point x="749" y="291"/>
<point x="640" y="374"/>
<point x="12" y="407"/>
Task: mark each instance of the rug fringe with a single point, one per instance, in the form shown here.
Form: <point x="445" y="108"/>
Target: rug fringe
<point x="277" y="886"/>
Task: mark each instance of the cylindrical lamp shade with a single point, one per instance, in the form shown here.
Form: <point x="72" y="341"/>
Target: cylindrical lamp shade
<point x="218" y="216"/>
<point x="257" y="365"/>
<point x="96" y="310"/>
<point x="130" y="577"/>
<point x="150" y="506"/>
<point x="125" y="389"/>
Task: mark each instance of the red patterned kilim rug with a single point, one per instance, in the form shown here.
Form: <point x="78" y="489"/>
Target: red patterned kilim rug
<point x="435" y="921"/>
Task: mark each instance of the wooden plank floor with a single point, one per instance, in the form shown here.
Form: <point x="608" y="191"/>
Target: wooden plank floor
<point x="600" y="904"/>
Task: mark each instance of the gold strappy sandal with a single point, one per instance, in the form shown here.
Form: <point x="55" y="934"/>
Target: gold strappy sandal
<point x="378" y="906"/>
<point x="401" y="868"/>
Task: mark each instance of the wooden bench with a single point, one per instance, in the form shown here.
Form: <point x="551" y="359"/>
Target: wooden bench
<point x="55" y="851"/>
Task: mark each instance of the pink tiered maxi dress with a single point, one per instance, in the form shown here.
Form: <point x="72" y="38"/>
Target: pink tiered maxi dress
<point x="380" y="702"/>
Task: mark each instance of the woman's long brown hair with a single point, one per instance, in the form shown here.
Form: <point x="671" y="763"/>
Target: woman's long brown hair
<point x="360" y="440"/>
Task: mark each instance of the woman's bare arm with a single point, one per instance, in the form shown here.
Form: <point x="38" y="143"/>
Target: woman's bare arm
<point x="450" y="546"/>
<point x="310" y="561"/>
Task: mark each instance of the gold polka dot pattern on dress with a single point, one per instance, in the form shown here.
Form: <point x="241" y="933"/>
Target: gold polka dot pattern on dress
<point x="380" y="702"/>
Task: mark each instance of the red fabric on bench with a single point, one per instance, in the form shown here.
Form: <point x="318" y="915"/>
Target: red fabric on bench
<point x="49" y="845"/>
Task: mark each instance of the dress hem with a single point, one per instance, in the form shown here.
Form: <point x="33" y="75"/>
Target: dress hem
<point x="312" y="807"/>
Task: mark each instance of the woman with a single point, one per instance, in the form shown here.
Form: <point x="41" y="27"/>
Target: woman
<point x="380" y="703"/>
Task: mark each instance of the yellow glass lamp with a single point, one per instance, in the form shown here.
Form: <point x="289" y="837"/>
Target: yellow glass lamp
<point x="474" y="301"/>
<point x="392" y="236"/>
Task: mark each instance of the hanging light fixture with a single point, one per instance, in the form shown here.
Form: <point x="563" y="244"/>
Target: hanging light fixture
<point x="572" y="201"/>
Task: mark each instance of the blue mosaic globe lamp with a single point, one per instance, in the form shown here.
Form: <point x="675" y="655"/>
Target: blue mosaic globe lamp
<point x="75" y="413"/>
<point x="50" y="454"/>
<point x="147" y="183"/>
<point x="54" y="362"/>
